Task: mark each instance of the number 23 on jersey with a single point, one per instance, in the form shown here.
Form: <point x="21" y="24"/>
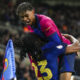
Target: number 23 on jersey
<point x="43" y="70"/>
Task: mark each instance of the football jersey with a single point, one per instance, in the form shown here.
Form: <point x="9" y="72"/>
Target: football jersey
<point x="48" y="69"/>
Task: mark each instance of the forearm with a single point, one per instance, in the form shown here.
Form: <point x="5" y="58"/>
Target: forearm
<point x="55" y="43"/>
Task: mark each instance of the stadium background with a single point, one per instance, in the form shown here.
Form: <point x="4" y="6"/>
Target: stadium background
<point x="66" y="15"/>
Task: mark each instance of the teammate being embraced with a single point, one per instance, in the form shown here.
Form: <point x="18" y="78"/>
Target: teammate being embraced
<point x="34" y="45"/>
<point x="46" y="65"/>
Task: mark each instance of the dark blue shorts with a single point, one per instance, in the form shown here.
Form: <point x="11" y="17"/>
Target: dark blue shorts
<point x="66" y="63"/>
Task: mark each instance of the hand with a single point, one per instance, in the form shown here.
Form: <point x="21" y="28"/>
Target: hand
<point x="70" y="37"/>
<point x="75" y="47"/>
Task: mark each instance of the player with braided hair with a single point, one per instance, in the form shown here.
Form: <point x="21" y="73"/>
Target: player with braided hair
<point x="34" y="45"/>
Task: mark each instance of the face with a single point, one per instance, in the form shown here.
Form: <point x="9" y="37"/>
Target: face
<point x="27" y="17"/>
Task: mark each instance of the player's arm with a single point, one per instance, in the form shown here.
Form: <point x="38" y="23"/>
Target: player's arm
<point x="75" y="47"/>
<point x="61" y="47"/>
<point x="73" y="40"/>
<point x="55" y="42"/>
<point x="70" y="37"/>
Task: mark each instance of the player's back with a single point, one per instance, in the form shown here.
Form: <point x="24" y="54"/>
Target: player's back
<point x="47" y="22"/>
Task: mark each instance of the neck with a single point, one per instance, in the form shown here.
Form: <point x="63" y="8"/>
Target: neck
<point x="34" y="20"/>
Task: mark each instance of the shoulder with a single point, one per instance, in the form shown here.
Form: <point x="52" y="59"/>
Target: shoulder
<point x="46" y="22"/>
<point x="43" y="18"/>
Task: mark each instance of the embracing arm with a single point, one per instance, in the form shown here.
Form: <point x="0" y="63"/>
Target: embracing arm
<point x="75" y="47"/>
<point x="61" y="47"/>
<point x="56" y="43"/>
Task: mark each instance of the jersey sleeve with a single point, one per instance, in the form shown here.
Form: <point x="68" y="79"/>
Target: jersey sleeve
<point x="48" y="28"/>
<point x="53" y="38"/>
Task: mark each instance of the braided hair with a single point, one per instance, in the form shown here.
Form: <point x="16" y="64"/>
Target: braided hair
<point x="32" y="44"/>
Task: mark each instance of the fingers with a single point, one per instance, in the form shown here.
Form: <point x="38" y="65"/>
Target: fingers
<point x="76" y="46"/>
<point x="77" y="49"/>
<point x="76" y="43"/>
<point x="66" y="35"/>
<point x="73" y="48"/>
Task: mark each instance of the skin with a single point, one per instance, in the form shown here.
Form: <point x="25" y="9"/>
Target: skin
<point x="65" y="76"/>
<point x="28" y="17"/>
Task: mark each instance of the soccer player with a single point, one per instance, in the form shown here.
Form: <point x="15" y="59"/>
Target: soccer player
<point x="34" y="45"/>
<point x="45" y="28"/>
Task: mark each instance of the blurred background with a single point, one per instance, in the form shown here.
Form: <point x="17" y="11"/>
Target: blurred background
<point x="65" y="13"/>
